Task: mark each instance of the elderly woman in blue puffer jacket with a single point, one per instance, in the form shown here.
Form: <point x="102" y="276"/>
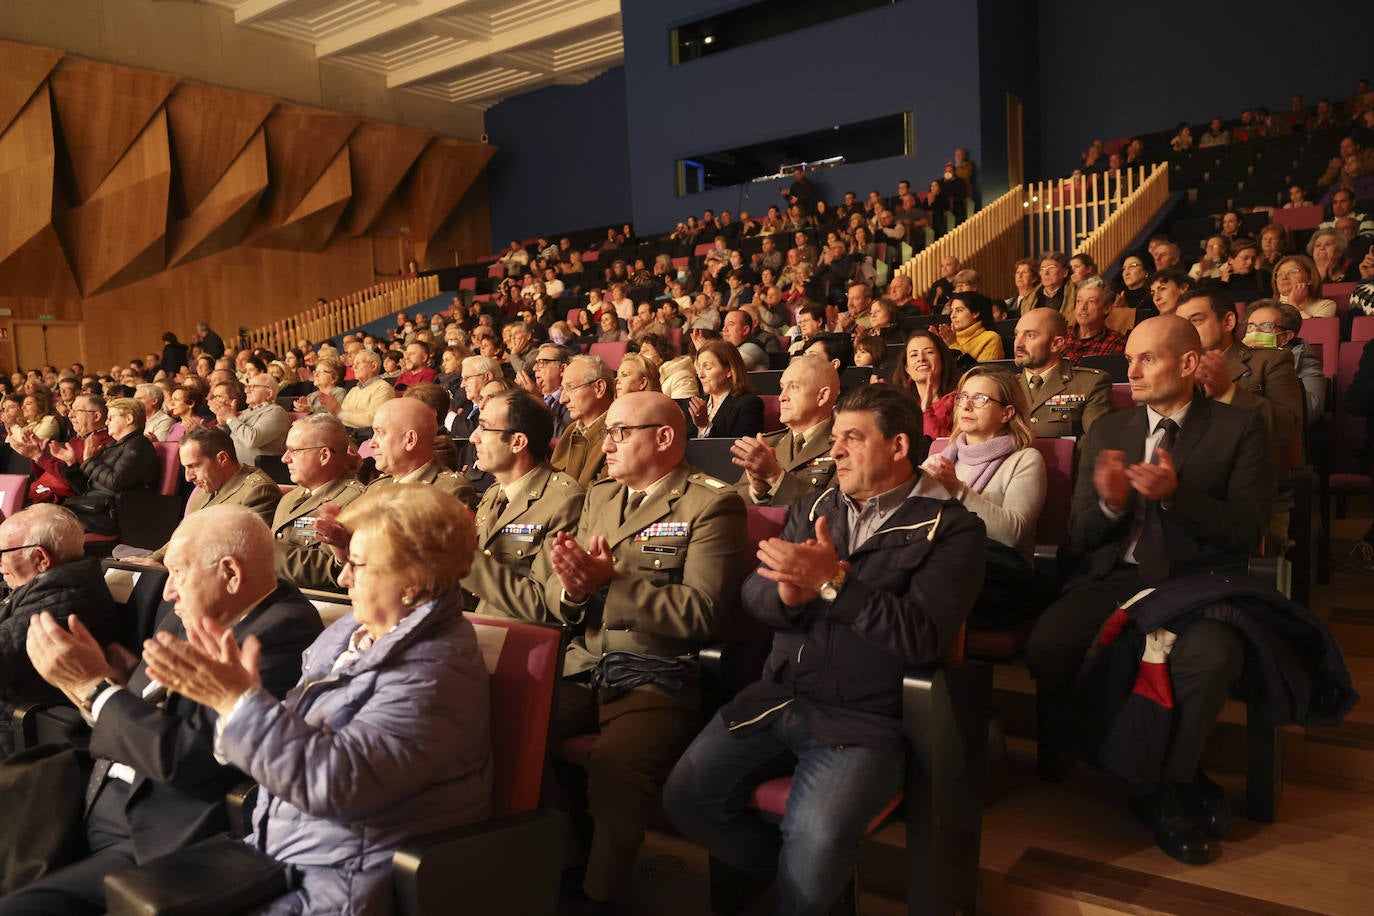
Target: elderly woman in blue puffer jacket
<point x="386" y="735"/>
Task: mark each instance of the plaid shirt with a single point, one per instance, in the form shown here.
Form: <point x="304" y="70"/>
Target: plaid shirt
<point x="1105" y="343"/>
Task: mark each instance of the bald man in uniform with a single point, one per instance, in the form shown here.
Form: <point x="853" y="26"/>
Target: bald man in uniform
<point x="1064" y="399"/>
<point x="655" y="569"/>
<point x="317" y="458"/>
<point x="529" y="503"/>
<point x="781" y="466"/>
<point x="403" y="446"/>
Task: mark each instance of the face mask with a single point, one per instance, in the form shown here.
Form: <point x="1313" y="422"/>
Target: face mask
<point x="1257" y="340"/>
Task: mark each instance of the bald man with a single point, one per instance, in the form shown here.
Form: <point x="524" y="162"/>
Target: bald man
<point x="781" y="466"/>
<point x="1179" y="484"/>
<point x="403" y="446"/>
<point x="654" y="569"/>
<point x="1064" y="399"/>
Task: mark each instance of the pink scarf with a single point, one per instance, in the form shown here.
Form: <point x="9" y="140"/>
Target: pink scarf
<point x="984" y="458"/>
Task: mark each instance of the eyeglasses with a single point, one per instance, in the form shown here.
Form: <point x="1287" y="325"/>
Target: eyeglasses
<point x="5" y="550"/>
<point x="304" y="448"/>
<point x="483" y="428"/>
<point x="583" y="385"/>
<point x="1265" y="327"/>
<point x="621" y="433"/>
<point x="977" y="400"/>
<point x="546" y="361"/>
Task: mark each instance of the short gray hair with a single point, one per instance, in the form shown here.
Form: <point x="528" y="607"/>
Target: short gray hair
<point x="482" y="365"/>
<point x="148" y="389"/>
<point x="53" y="528"/>
<point x="369" y="355"/>
<point x="1096" y="282"/>
<point x="594" y="367"/>
<point x="325" y="428"/>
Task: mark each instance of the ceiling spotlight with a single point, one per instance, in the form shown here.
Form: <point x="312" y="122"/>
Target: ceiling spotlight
<point x="709" y="39"/>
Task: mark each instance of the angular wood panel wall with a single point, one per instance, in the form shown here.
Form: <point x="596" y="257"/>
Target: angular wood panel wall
<point x="110" y="175"/>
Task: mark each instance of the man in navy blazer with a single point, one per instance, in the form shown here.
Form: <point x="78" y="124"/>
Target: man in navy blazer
<point x="156" y="785"/>
<point x="1180" y="484"/>
<point x="867" y="579"/>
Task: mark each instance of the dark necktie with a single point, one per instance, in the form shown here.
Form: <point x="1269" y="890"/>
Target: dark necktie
<point x="1151" y="551"/>
<point x="1035" y="382"/>
<point x="499" y="507"/>
<point x="633" y="499"/>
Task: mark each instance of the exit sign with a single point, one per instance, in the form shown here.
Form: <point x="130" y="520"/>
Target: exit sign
<point x="47" y="317"/>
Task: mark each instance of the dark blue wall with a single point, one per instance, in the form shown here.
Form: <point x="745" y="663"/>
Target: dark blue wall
<point x="563" y="162"/>
<point x="847" y="70"/>
<point x="1111" y="70"/>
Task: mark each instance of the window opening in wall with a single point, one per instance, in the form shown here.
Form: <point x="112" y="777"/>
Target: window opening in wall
<point x="756" y="22"/>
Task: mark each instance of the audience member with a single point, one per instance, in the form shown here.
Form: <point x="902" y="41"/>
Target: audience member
<point x="970" y="327"/>
<point x="317" y="457"/>
<point x="1167" y="287"/>
<point x="780" y="467"/>
<point x="1089" y="334"/>
<point x="1271" y="324"/>
<point x="588" y="389"/>
<point x="1061" y="399"/>
<point x="252" y="417"/>
<point x="360" y="405"/>
<point x="159" y="422"/>
<point x="1298" y="283"/>
<point x="1327" y="249"/>
<point x="929" y="375"/>
<point x="728" y="407"/>
<point x="403" y="446"/>
<point x="1054" y="270"/>
<point x="123" y="463"/>
<point x="1027" y="280"/>
<point x="835" y="710"/>
<point x="549" y="362"/>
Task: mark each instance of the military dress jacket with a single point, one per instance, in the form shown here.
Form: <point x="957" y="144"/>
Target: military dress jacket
<point x="807" y="470"/>
<point x="1071" y="399"/>
<point x="298" y="557"/>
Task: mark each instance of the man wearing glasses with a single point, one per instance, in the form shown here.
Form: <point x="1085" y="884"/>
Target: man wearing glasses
<point x="588" y="388"/>
<point x="529" y="503"/>
<point x="549" y="362"/>
<point x="317" y="458"/>
<point x="88" y="414"/>
<point x="255" y="421"/>
<point x="653" y="572"/>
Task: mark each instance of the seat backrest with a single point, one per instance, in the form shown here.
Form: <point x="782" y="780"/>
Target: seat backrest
<point x="712" y="456"/>
<point x="524" y="660"/>
<point x="1327" y="332"/>
<point x="765" y="381"/>
<point x="1349" y="429"/>
<point x="612" y="353"/>
<point x="573" y="316"/>
<point x="1121" y="396"/>
<point x="169" y="456"/>
<point x="1339" y="293"/>
<point x="1114" y="364"/>
<point x="772" y="413"/>
<point x="137" y="594"/>
<point x="1362" y="328"/>
<point x="1053" y="527"/>
<point x="764" y="522"/>
<point x="331" y="605"/>
<point x="13" y="489"/>
<point x="1299" y="217"/>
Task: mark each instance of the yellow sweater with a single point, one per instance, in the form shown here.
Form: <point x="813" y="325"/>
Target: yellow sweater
<point x="980" y="344"/>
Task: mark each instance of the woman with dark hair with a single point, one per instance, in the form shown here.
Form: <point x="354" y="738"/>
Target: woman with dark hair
<point x="929" y="374"/>
<point x="1027" y="280"/>
<point x="729" y="408"/>
<point x="1135" y="288"/>
<point x="970" y="327"/>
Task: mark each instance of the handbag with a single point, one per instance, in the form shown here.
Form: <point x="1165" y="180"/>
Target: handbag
<point x="215" y="877"/>
<point x="43" y="791"/>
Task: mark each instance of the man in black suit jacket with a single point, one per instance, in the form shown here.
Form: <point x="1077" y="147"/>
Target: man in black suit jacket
<point x="156" y="785"/>
<point x="1180" y="484"/>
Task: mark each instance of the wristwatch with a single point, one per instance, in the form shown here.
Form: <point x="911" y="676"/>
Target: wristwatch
<point x="830" y="588"/>
<point x="88" y="701"/>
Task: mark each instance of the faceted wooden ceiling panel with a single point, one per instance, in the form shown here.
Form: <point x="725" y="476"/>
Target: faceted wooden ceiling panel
<point x="32" y="262"/>
<point x="380" y="155"/>
<point x="101" y="110"/>
<point x="116" y="237"/>
<point x="223" y="218"/>
<point x="310" y="225"/>
<point x="26" y="67"/>
<point x="210" y="127"/>
<point x="445" y="171"/>
<point x="301" y="143"/>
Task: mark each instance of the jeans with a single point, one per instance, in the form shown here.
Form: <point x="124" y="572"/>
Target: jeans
<point x="836" y="792"/>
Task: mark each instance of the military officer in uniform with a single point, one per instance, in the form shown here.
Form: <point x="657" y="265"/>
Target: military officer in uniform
<point x="207" y="455"/>
<point x="653" y="572"/>
<point x="1064" y="399"/>
<point x="781" y="466"/>
<point x="588" y="389"/>
<point x="403" y="446"/>
<point x="529" y="503"/>
<point x="317" y="457"/>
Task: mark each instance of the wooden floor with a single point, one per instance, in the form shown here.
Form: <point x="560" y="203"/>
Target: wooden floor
<point x="1071" y="847"/>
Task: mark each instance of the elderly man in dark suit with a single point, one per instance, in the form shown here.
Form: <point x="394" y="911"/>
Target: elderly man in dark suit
<point x="1179" y="484"/>
<point x="157" y="786"/>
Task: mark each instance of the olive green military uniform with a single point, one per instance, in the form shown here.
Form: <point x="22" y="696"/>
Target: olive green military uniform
<point x="680" y="559"/>
<point x="512" y="563"/>
<point x="805" y="469"/>
<point x="298" y="557"/>
<point x="1068" y="401"/>
<point x="578" y="452"/>
<point x="250" y="487"/>
<point x="434" y="474"/>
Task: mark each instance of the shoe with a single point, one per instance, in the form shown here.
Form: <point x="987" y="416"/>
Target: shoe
<point x="1176" y="833"/>
<point x="1205" y="802"/>
<point x="1360" y="559"/>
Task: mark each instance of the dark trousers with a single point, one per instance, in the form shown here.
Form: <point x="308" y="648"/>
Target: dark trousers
<point x="79" y="888"/>
<point x="641" y="736"/>
<point x="1205" y="661"/>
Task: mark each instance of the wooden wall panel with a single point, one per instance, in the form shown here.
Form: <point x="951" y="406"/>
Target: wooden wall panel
<point x="25" y="69"/>
<point x="210" y="127"/>
<point x="117" y="235"/>
<point x="445" y="172"/>
<point x="301" y="143"/>
<point x="309" y="226"/>
<point x="32" y="262"/>
<point x="101" y="110"/>
<point x="223" y="218"/>
<point x="466" y="234"/>
<point x="381" y="155"/>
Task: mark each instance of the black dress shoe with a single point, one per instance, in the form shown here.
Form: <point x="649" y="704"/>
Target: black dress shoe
<point x="1177" y="834"/>
<point x="1144" y="807"/>
<point x="1205" y="802"/>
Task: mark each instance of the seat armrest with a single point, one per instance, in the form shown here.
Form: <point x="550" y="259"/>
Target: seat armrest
<point x="42" y="723"/>
<point x="239" y="805"/>
<point x="510" y="864"/>
<point x="727" y="668"/>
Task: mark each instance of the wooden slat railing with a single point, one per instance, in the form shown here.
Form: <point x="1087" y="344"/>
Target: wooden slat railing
<point x="1096" y="214"/>
<point x="343" y="314"/>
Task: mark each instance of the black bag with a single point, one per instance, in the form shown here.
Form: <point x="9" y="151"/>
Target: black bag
<point x="215" y="877"/>
<point x="1013" y="592"/>
<point x="43" y="791"/>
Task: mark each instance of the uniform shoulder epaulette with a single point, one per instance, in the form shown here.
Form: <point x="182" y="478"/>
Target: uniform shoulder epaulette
<point x="354" y="483"/>
<point x="776" y="435"/>
<point x="563" y="480"/>
<point x="603" y="480"/>
<point x="708" y="480"/>
<point x="1090" y="369"/>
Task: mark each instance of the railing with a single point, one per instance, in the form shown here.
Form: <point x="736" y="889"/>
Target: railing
<point x="1095" y="214"/>
<point x="991" y="240"/>
<point x="340" y="315"/>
